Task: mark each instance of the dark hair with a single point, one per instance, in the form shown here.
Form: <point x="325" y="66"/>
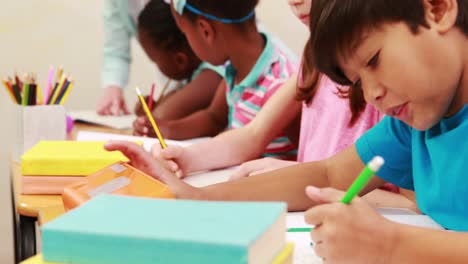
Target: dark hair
<point x="336" y="27"/>
<point x="230" y="9"/>
<point x="157" y="21"/>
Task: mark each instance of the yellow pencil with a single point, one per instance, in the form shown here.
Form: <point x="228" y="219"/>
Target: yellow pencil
<point x="150" y="117"/>
<point x="56" y="92"/>
<point x="40" y="98"/>
<point x="67" y="92"/>
<point x="59" y="74"/>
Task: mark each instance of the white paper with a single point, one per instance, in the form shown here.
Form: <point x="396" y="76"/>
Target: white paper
<point x="408" y="217"/>
<point x="84" y="135"/>
<point x="90" y="116"/>
<point x="296" y="219"/>
<point x="205" y="178"/>
<point x="303" y="250"/>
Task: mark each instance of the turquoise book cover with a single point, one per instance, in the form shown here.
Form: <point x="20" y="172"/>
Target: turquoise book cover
<point x="118" y="229"/>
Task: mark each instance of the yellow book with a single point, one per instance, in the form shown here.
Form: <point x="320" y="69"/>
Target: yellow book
<point x="284" y="257"/>
<point x="37" y="260"/>
<point x="71" y="158"/>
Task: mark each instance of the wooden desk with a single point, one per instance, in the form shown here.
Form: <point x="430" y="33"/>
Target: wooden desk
<point x="32" y="209"/>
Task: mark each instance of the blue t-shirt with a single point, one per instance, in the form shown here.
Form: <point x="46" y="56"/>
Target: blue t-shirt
<point x="433" y="163"/>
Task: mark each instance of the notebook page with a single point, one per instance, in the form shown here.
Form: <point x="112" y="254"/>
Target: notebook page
<point x="90" y="116"/>
<point x="205" y="178"/>
<point x="303" y="250"/>
<point x="408" y="217"/>
<point x="147" y="141"/>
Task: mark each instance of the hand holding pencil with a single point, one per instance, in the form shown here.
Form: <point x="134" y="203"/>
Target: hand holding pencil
<point x="345" y="227"/>
<point x="154" y="125"/>
<point x="152" y="103"/>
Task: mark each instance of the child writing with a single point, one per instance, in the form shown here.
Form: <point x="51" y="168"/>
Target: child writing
<point x="422" y="84"/>
<point x="327" y="127"/>
<point x="168" y="48"/>
<point x="257" y="67"/>
<point x="120" y="26"/>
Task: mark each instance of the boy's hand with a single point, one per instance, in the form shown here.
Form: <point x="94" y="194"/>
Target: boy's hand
<point x="142" y="127"/>
<point x="352" y="233"/>
<point x="258" y="166"/>
<point x="143" y="161"/>
<point x="173" y="156"/>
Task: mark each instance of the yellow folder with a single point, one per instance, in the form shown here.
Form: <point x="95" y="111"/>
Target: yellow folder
<point x="119" y="178"/>
<point x="71" y="158"/>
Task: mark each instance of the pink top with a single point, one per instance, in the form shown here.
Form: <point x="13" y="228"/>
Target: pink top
<point x="324" y="124"/>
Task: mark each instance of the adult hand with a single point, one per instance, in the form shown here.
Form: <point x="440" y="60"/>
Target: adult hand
<point x="259" y="166"/>
<point x="112" y="102"/>
<point x="352" y="233"/>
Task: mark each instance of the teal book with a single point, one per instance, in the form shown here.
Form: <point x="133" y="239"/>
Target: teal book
<point x="119" y="229"/>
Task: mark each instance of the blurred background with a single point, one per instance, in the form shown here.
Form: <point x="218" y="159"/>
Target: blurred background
<point x="35" y="34"/>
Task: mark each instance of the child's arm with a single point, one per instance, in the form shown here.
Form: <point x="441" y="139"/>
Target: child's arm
<point x="196" y="95"/>
<point x="259" y="166"/>
<point x="420" y="246"/>
<point x="238" y="145"/>
<point x="343" y="232"/>
<point x="287" y="184"/>
<point x="207" y="122"/>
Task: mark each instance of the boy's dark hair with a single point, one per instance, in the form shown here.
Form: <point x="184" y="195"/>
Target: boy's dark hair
<point x="230" y="9"/>
<point x="157" y="21"/>
<point x="335" y="29"/>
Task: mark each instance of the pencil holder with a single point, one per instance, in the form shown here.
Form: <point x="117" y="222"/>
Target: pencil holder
<point x="39" y="122"/>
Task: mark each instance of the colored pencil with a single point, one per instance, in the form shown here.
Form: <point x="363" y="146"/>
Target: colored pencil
<point x="150" y="117"/>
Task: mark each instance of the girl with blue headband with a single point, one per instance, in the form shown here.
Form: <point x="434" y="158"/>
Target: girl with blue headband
<point x="225" y="32"/>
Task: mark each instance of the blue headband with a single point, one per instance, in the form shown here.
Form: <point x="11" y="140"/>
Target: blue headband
<point x="179" y="6"/>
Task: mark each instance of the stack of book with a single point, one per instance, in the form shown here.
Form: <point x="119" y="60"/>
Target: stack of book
<point x="120" y="229"/>
<point x="49" y="166"/>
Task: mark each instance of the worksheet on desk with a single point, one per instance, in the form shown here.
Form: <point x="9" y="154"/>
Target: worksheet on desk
<point x="303" y="249"/>
<point x="91" y="117"/>
<point x="147" y="141"/>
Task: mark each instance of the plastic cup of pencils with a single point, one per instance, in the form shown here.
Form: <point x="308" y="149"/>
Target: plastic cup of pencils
<point x="38" y="122"/>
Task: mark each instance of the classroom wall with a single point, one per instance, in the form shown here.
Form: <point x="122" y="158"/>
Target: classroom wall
<point x="39" y="33"/>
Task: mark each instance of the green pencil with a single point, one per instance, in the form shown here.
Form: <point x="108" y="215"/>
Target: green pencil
<point x="299" y="229"/>
<point x="25" y="93"/>
<point x="359" y="183"/>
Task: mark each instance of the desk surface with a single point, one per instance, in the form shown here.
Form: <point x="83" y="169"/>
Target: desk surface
<point x="47" y="207"/>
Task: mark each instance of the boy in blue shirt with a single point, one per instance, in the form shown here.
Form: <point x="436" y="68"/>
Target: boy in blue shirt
<point x="410" y="58"/>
